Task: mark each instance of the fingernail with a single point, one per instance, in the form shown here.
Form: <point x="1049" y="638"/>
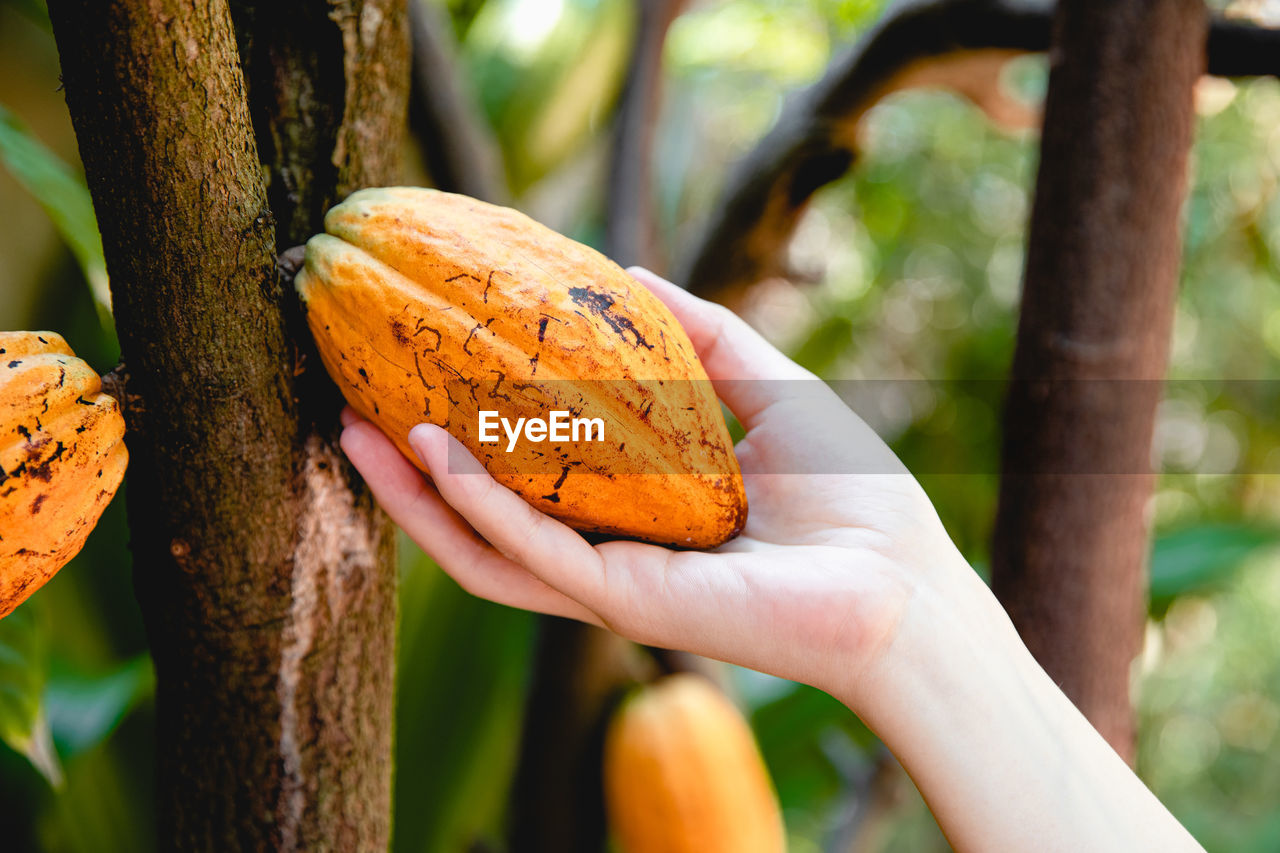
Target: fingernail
<point x="348" y="416"/>
<point x="348" y="439"/>
<point x="458" y="460"/>
<point x="420" y="438"/>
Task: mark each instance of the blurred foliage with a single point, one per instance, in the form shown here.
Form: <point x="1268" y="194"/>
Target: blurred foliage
<point x="812" y="773"/>
<point x="84" y="708"/>
<point x="24" y="662"/>
<point x="547" y="73"/>
<point x="459" y="698"/>
<point x="63" y="196"/>
<point x="34" y="10"/>
<point x="916" y="259"/>
<point x="1209" y="716"/>
<point x="1201" y="559"/>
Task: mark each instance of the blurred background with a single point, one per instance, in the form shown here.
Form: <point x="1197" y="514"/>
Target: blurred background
<point x="911" y="270"/>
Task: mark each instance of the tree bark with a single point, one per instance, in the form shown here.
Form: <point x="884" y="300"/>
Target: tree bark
<point x="327" y="82"/>
<point x="814" y="141"/>
<point x="1093" y="336"/>
<point x="265" y="577"/>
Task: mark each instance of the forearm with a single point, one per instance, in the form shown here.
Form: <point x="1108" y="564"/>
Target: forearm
<point x="1003" y="758"/>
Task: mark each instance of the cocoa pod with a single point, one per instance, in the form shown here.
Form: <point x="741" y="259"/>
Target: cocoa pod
<point x="433" y="307"/>
<point x="62" y="457"/>
<point x="683" y="774"/>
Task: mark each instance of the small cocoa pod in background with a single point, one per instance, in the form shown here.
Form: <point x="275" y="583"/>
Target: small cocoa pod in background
<point x="433" y="307"/>
<point x="62" y="457"/>
<point x="683" y="774"/>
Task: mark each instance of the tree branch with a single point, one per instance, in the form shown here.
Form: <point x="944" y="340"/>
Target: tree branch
<point x="1093" y="338"/>
<point x="951" y="43"/>
<point x="266" y="581"/>
<point x="580" y="672"/>
<point x="462" y="155"/>
<point x="557" y="798"/>
<point x="630" y="235"/>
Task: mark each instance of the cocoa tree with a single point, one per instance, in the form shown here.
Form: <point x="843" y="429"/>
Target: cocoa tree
<point x="264" y="571"/>
<point x="1093" y="337"/>
<point x="215" y="135"/>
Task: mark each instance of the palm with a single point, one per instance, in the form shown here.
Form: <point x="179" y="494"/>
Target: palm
<point x="815" y="583"/>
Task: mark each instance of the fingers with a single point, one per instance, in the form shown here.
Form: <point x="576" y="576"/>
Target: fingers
<point x="416" y="506"/>
<point x="728" y="347"/>
<point x="547" y="548"/>
<point x="391" y="477"/>
<point x="749" y="373"/>
<point x="532" y="561"/>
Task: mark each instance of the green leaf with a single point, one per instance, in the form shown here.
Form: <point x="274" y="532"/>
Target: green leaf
<point x="1201" y="558"/>
<point x="795" y="732"/>
<point x="34" y="11"/>
<point x="62" y="194"/>
<point x="460" y="694"/>
<point x="107" y="805"/>
<point x="24" y="667"/>
<point x="84" y="709"/>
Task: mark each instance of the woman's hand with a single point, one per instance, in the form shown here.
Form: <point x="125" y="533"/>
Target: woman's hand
<point x="843" y="580"/>
<point x="816" y="587"/>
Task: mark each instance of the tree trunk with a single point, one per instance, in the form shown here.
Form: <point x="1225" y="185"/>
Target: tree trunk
<point x="265" y="577"/>
<point x="328" y="92"/>
<point x="1101" y="279"/>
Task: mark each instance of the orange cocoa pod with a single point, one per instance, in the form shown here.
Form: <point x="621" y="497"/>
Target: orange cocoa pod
<point x="683" y="774"/>
<point x="433" y="307"/>
<point x="62" y="457"/>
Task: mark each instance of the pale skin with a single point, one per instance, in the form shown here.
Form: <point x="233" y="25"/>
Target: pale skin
<point x="847" y="582"/>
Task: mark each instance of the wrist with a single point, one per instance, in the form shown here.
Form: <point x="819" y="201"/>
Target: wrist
<point x="951" y="634"/>
<point x="1003" y="758"/>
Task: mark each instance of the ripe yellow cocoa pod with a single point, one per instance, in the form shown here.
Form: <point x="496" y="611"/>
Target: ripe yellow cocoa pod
<point x="433" y="307"/>
<point x="62" y="457"/>
<point x="682" y="774"/>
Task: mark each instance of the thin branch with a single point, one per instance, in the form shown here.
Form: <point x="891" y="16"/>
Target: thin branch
<point x="630" y="229"/>
<point x="580" y="674"/>
<point x="1238" y="49"/>
<point x="461" y="152"/>
<point x="950" y="43"/>
<point x="671" y="661"/>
